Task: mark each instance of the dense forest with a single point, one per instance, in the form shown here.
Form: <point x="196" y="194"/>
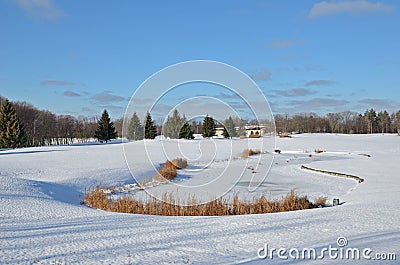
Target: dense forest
<point x="42" y="127"/>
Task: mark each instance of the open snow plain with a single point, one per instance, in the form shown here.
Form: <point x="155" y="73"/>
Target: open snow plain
<point x="42" y="221"/>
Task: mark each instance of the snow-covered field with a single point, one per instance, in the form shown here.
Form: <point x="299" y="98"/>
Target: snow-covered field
<point x="42" y="221"/>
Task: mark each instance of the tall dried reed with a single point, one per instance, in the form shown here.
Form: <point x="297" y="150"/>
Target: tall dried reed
<point x="170" y="205"/>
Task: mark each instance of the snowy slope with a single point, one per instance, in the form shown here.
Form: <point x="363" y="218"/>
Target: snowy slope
<point x="42" y="221"/>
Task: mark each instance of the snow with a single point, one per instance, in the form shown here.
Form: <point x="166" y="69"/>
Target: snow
<point x="43" y="222"/>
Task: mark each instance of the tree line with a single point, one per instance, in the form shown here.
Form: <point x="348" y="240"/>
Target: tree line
<point x="347" y="122"/>
<point x="175" y="127"/>
<point x="22" y="124"/>
<point x="178" y="127"/>
<point x="42" y="127"/>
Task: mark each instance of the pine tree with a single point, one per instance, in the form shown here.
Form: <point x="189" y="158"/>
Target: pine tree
<point x="186" y="132"/>
<point x="150" y="129"/>
<point x="135" y="129"/>
<point x="173" y="125"/>
<point x="383" y="119"/>
<point x="105" y="128"/>
<point x="12" y="134"/>
<point x="229" y="128"/>
<point x="371" y="118"/>
<point x="208" y="127"/>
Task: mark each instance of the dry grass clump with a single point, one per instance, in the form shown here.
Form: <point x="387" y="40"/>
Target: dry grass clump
<point x="97" y="199"/>
<point x="169" y="205"/>
<point x="249" y="152"/>
<point x="179" y="163"/>
<point x="169" y="170"/>
<point x="294" y="202"/>
<point x="320" y="202"/>
<point x="142" y="184"/>
<point x="284" y="135"/>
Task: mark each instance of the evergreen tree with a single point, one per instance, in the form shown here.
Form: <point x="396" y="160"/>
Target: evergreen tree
<point x="186" y="132"/>
<point x="150" y="129"/>
<point x="229" y="128"/>
<point x="135" y="129"/>
<point x="396" y="122"/>
<point x="370" y="115"/>
<point x="12" y="134"/>
<point x="105" y="128"/>
<point x="173" y="125"/>
<point x="242" y="128"/>
<point x="208" y="127"/>
<point x="383" y="119"/>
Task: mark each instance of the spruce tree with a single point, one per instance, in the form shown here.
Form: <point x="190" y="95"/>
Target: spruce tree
<point x="173" y="125"/>
<point x="135" y="129"/>
<point x="150" y="129"/>
<point x="208" y="127"/>
<point x="12" y="134"/>
<point x="105" y="128"/>
<point x="229" y="128"/>
<point x="186" y="132"/>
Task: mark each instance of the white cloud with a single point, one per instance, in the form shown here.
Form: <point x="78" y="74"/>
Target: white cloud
<point x="261" y="75"/>
<point x="349" y="7"/>
<point x="320" y="83"/>
<point x="69" y="93"/>
<point x="295" y="92"/>
<point x="56" y="83"/>
<point x="41" y="9"/>
<point x="318" y="103"/>
<point x="107" y="97"/>
<point x="379" y="103"/>
<point x="281" y="44"/>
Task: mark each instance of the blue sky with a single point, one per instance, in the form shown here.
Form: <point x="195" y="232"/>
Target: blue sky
<point x="79" y="57"/>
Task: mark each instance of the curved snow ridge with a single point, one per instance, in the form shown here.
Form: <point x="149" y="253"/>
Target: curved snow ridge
<point x="332" y="173"/>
